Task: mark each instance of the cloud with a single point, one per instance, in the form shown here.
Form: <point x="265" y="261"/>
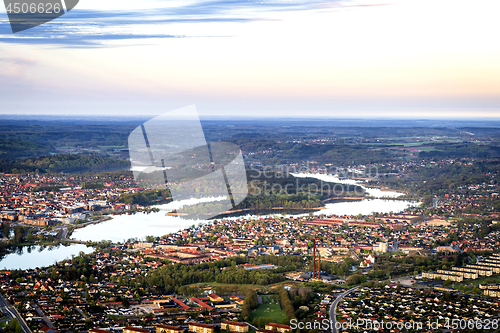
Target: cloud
<point x="94" y="28"/>
<point x="80" y="41"/>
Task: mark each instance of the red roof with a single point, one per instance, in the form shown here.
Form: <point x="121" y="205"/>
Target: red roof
<point x="279" y="325"/>
<point x="182" y="305"/>
<point x="168" y="327"/>
<point x="136" y="329"/>
<point x="201" y="303"/>
<point x="230" y="322"/>
<point x="202" y="325"/>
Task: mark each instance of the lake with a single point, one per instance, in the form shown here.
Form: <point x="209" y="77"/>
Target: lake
<point x="41" y="256"/>
<point x="366" y="207"/>
<point x="123" y="227"/>
<point x="139" y="225"/>
<point x="373" y="192"/>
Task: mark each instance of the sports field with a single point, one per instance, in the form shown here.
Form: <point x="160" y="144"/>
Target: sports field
<point x="270" y="308"/>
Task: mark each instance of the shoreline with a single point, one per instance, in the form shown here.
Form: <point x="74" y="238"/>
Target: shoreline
<point x="83" y="225"/>
<point x="360" y="181"/>
<point x="252" y="209"/>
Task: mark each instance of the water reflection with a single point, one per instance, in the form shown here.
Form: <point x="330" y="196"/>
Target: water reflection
<point x="140" y="225"/>
<point x="371" y="191"/>
<point x="35" y="256"/>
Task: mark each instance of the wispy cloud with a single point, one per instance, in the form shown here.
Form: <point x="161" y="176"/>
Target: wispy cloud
<point x="96" y="28"/>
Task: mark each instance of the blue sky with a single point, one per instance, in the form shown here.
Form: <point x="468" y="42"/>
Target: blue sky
<point x="359" y="58"/>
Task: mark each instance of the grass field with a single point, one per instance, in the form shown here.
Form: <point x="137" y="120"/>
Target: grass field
<point x="484" y="280"/>
<point x="270" y="308"/>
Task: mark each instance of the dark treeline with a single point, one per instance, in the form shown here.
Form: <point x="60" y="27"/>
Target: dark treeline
<point x="146" y="197"/>
<point x="63" y="163"/>
<point x="66" y="132"/>
<point x="466" y="149"/>
<point x="339" y="269"/>
<point x="233" y="275"/>
<point x="286" y="303"/>
<point x="266" y="191"/>
<point x="172" y="278"/>
<point x="441" y="179"/>
<point x="301" y="297"/>
<point x="344" y="154"/>
<point x="250" y="303"/>
<point x="414" y="264"/>
<point x="12" y="149"/>
<point x="276" y="181"/>
<point x="271" y="189"/>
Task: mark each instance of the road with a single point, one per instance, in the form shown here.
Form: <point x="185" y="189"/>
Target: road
<point x="12" y="313"/>
<point x="64" y="233"/>
<point x="333" y="308"/>
<point x="252" y="327"/>
<point x="81" y="312"/>
<point x="44" y="317"/>
<point x="353" y="253"/>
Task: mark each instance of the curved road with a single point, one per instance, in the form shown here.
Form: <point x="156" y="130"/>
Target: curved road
<point x="333" y="308"/>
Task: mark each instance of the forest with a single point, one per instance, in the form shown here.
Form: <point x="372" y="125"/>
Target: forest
<point x="266" y="191"/>
<point x="146" y="197"/>
<point x="172" y="278"/>
<point x="63" y="163"/>
<point x="274" y="189"/>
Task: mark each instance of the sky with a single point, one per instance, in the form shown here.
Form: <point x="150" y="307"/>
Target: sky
<point x="243" y="58"/>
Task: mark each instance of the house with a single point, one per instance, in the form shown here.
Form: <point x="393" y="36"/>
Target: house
<point x="215" y="298"/>
<point x="181" y="304"/>
<point x="236" y="299"/>
<point x="277" y="327"/>
<point x="49" y="330"/>
<point x="200" y="328"/>
<point x="225" y="305"/>
<point x="263" y="330"/>
<point x="201" y="303"/>
<point x="234" y="326"/>
<point x="130" y="329"/>
<point x="446" y="249"/>
<point x="168" y="329"/>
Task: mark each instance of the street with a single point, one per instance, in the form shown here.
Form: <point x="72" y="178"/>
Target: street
<point x="12" y="313"/>
<point x="333" y="308"/>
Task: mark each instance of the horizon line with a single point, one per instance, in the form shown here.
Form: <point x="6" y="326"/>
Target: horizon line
<point x="251" y="117"/>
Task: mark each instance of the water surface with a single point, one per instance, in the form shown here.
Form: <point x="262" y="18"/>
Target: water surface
<point x="371" y="191"/>
<point x="41" y="256"/>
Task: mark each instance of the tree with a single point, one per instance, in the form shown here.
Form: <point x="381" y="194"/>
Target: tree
<point x="286" y="303"/>
<point x="125" y="303"/>
<point x="30" y="238"/>
<point x="250" y="303"/>
<point x="19" y="233"/>
<point x="6" y="230"/>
